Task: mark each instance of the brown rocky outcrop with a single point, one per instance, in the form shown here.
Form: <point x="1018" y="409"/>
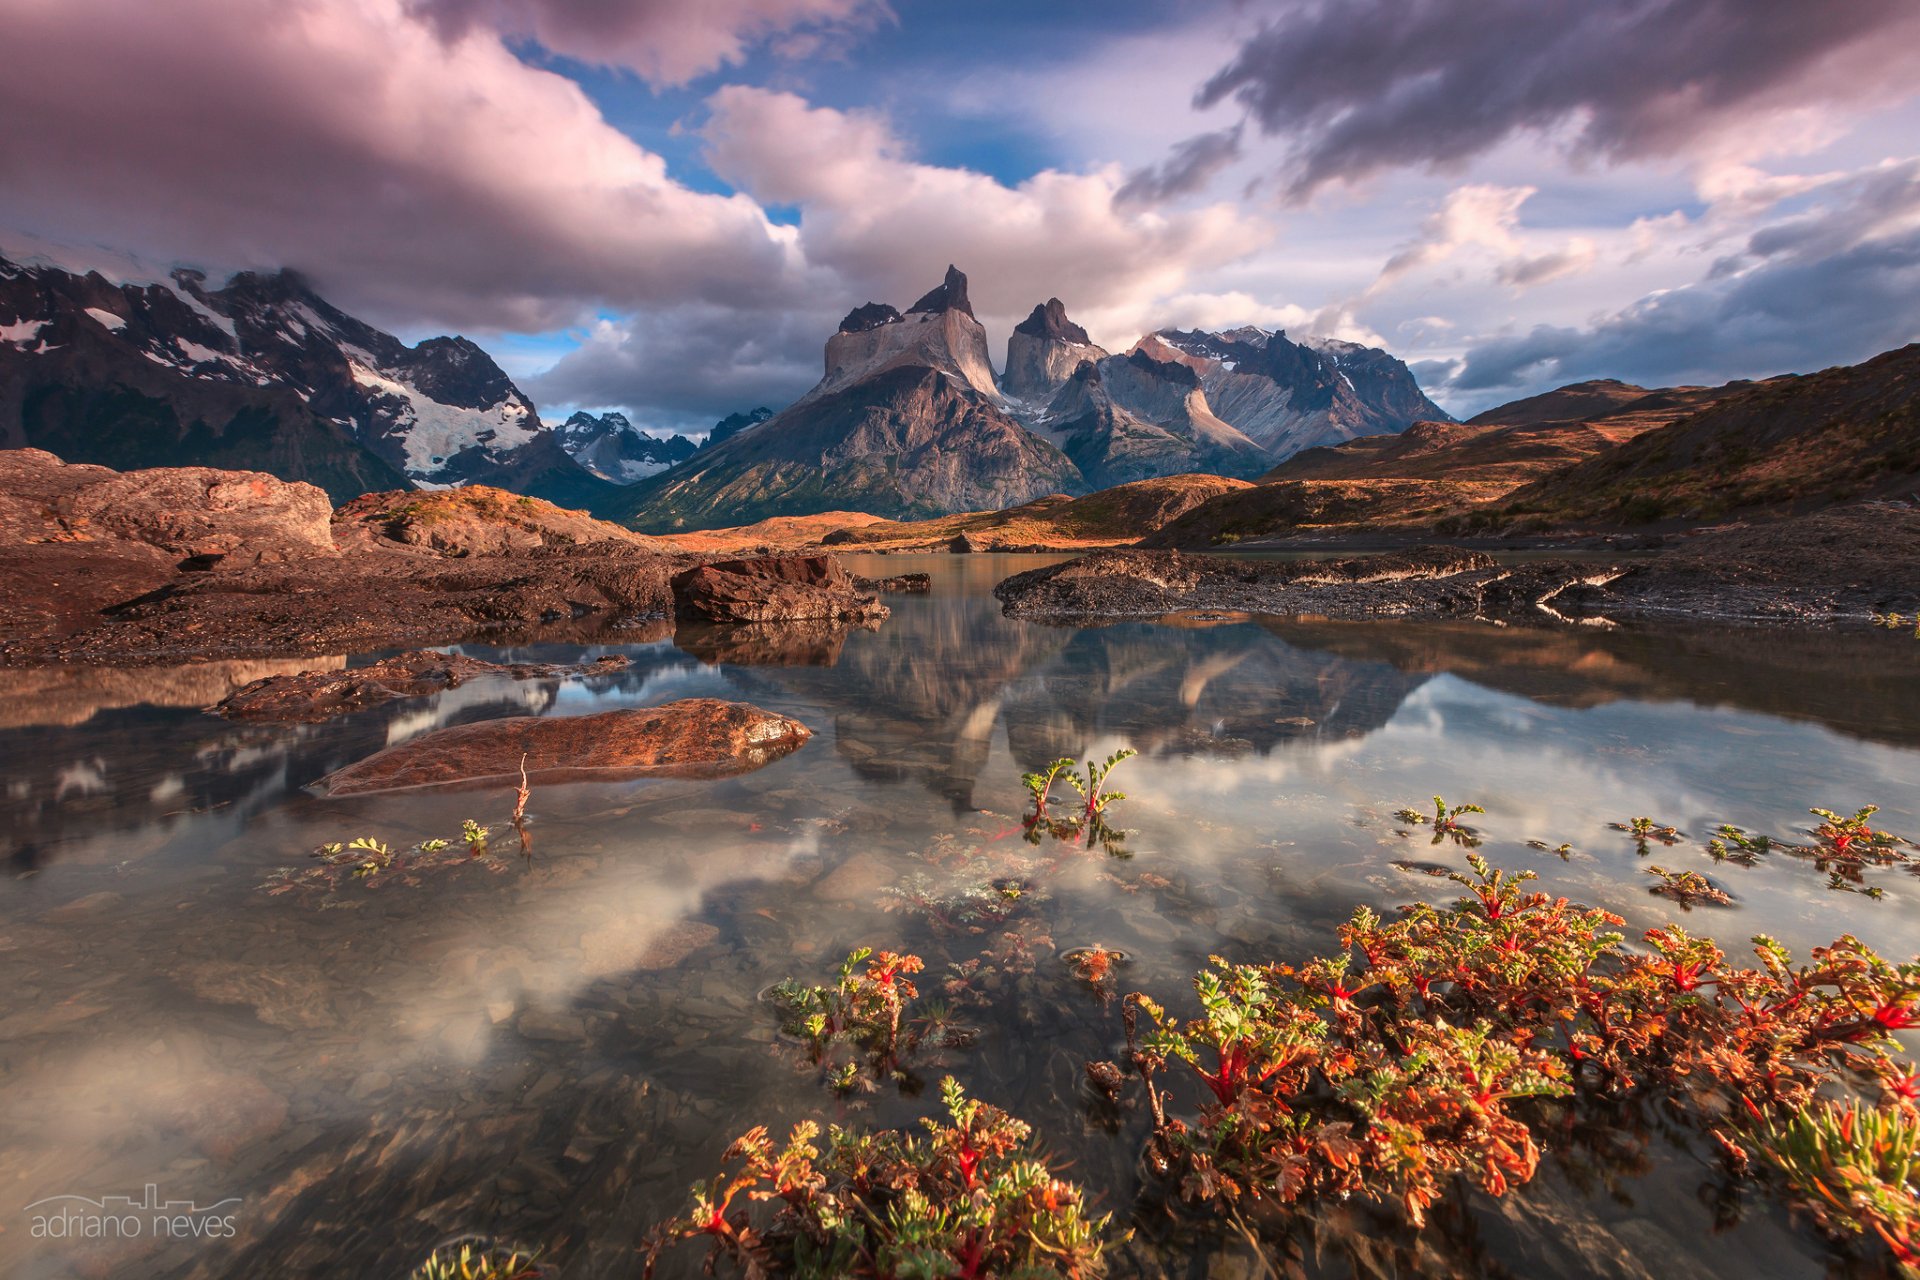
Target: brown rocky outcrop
<point x="695" y="737"/>
<point x="773" y="589"/>
<point x="309" y="696"/>
<point x="232" y="516"/>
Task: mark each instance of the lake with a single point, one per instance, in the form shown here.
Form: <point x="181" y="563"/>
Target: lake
<point x="334" y="1074"/>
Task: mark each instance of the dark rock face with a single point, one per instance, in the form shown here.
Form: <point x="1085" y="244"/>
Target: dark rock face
<point x="1049" y="320"/>
<point x="695" y="737"/>
<point x="869" y="316"/>
<point x="311" y="696"/>
<point x="949" y="295"/>
<point x="734" y="423"/>
<point x="262" y="374"/>
<point x="1128" y="418"/>
<point x="1044" y="350"/>
<point x="774" y="589"/>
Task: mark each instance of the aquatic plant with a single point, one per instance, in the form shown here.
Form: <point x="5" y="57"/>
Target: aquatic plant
<point x="960" y="1200"/>
<point x="864" y="1007"/>
<point x="1446" y="822"/>
<point x="1645" y="831"/>
<point x="1405" y="1060"/>
<point x="1444" y="818"/>
<point x="1851" y="839"/>
<point x="1688" y="888"/>
<point x="478" y="1260"/>
<point x="1095" y="966"/>
<point x="1090" y="818"/>
<point x="474" y="836"/>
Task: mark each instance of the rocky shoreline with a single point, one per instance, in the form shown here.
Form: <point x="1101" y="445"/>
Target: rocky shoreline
<point x="190" y="564"/>
<point x="1841" y="566"/>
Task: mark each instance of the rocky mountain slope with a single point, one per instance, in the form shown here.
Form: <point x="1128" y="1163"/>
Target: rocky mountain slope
<point x="1789" y="443"/>
<point x="1678" y="455"/>
<point x="1288" y="396"/>
<point x="260" y="373"/>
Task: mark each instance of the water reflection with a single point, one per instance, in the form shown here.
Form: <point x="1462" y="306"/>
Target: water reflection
<point x="549" y="1051"/>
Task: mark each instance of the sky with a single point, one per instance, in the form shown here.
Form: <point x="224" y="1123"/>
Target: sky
<point x="665" y="208"/>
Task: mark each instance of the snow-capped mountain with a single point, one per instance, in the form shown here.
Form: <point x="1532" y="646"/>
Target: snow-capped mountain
<point x="1288" y="396"/>
<point x="614" y="449"/>
<point x="261" y="372"/>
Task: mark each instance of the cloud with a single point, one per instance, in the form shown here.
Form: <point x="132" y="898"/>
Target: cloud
<point x="1189" y="168"/>
<point x="667" y="42"/>
<point x="407" y="176"/>
<point x="877" y="225"/>
<point x="1357" y="86"/>
<point x="887" y="225"/>
<point x="1487" y="217"/>
<point x="1577" y="256"/>
<point x="1834" y="285"/>
<point x="682" y="368"/>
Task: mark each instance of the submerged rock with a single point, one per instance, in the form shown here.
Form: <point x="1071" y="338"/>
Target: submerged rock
<point x="695" y="737"/>
<point x="319" y="695"/>
<point x="774" y="589"/>
<point x="906" y="584"/>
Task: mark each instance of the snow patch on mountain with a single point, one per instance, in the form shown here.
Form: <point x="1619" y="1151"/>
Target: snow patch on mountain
<point x="431" y="433"/>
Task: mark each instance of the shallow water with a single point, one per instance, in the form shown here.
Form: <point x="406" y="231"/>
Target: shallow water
<point x="548" y="1050"/>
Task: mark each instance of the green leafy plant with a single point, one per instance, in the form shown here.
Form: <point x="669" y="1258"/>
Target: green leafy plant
<point x="474" y="836"/>
<point x="1090" y="819"/>
<point x="1446" y="822"/>
<point x="962" y="1199"/>
<point x="864" y="1008"/>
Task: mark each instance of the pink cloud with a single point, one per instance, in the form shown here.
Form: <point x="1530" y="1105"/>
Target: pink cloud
<point x="404" y="174"/>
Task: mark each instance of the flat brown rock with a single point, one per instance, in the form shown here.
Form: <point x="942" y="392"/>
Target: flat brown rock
<point x="310" y="696"/>
<point x="774" y="589"/>
<point x="695" y="737"/>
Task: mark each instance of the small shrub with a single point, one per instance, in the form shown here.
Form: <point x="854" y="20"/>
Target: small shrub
<point x="962" y="1200"/>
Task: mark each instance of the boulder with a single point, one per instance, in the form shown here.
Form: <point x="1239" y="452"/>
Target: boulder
<point x="695" y="737"/>
<point x="773" y="589"/>
<point x="310" y="696"/>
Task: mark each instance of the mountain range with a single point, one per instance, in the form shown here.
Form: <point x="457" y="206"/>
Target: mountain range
<point x="909" y="418"/>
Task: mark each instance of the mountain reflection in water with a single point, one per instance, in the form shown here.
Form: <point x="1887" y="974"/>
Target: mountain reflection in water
<point x="548" y="1052"/>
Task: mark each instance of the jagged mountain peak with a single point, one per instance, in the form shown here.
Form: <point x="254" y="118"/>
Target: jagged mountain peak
<point x="949" y="295"/>
<point x="870" y="315"/>
<point x="1049" y="320"/>
<point x="1044" y="351"/>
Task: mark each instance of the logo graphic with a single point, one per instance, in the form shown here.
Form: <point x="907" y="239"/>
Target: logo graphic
<point x="71" y="1217"/>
